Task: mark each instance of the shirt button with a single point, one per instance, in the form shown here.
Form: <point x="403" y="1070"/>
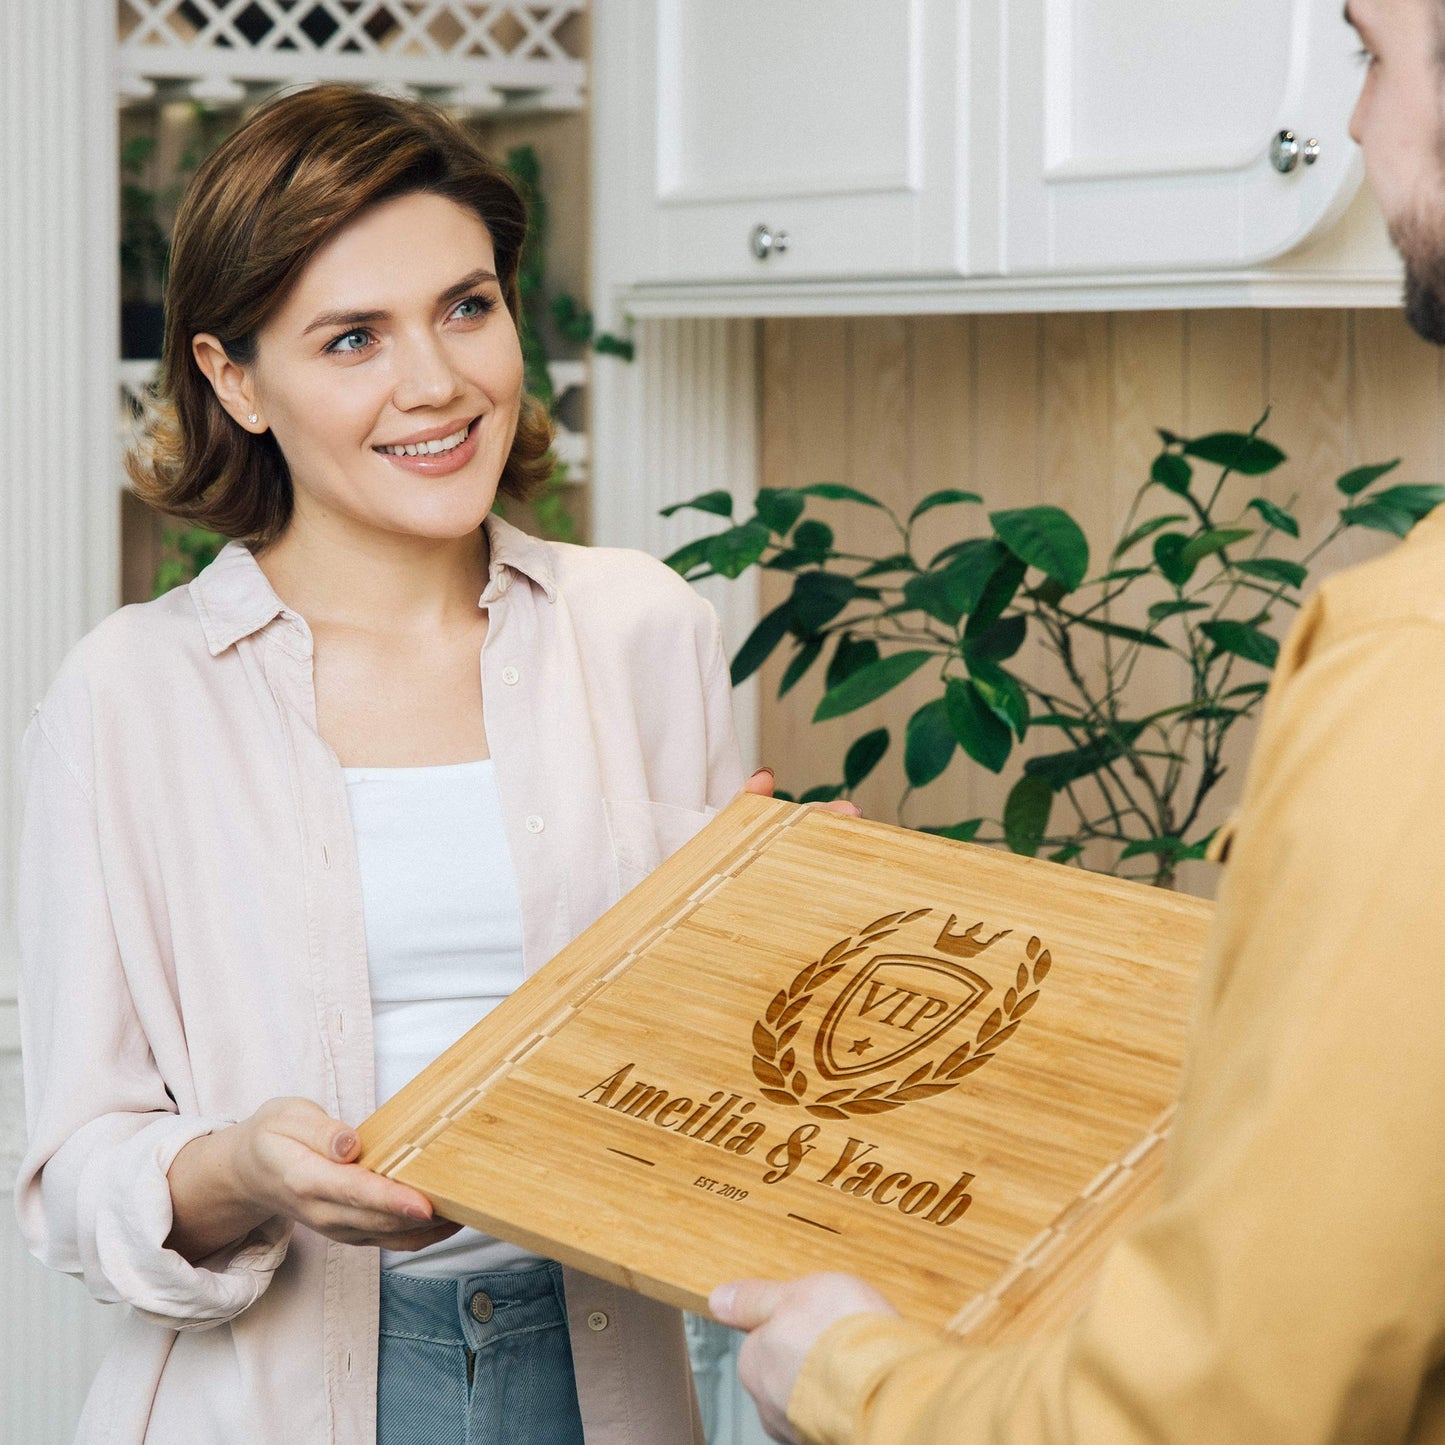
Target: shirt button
<point x="534" y="823"/>
<point x="481" y="1306"/>
<point x="511" y="676"/>
<point x="597" y="1320"/>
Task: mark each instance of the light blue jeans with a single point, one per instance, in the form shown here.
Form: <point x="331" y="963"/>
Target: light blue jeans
<point x="482" y="1359"/>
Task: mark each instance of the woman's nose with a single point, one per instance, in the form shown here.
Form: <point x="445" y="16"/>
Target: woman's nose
<point x="424" y="374"/>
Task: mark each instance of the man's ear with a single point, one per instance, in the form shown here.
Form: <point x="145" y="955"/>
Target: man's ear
<point x="232" y="382"/>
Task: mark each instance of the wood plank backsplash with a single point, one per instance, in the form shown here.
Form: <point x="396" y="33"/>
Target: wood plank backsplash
<point x="1062" y="409"/>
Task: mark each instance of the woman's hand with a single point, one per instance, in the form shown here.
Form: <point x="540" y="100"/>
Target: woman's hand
<point x="784" y="1321"/>
<point x="762" y="782"/>
<point x="291" y="1159"/>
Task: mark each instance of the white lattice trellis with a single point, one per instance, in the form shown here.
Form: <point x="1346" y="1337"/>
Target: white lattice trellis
<point x="479" y="56"/>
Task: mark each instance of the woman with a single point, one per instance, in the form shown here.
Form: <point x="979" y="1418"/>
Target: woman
<point x="286" y="836"/>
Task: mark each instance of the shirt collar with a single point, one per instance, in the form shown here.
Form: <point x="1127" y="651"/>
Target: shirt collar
<point x="234" y="599"/>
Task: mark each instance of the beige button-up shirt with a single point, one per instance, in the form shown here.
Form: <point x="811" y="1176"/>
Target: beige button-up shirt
<point x="192" y="944"/>
<point x="1290" y="1288"/>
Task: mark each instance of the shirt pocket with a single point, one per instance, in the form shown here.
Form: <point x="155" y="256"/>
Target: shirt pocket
<point x="645" y="834"/>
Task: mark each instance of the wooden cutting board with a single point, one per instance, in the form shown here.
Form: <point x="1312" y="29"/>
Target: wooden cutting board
<point x="809" y="1042"/>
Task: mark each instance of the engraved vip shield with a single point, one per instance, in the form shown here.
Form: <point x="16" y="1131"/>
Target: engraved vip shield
<point x="895" y="1006"/>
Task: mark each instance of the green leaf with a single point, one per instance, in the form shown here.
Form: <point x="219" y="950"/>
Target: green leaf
<point x="731" y="553"/>
<point x="1147" y="529"/>
<point x="973" y="567"/>
<point x="1160" y="610"/>
<point x="1002" y="588"/>
<point x="761" y="642"/>
<point x="864" y="756"/>
<point x="1251" y="456"/>
<point x="1058" y="770"/>
<point x="1277" y="517"/>
<point x="801" y="661"/>
<point x="1242" y="640"/>
<point x="1275" y="569"/>
<point x="825" y="794"/>
<point x="1419" y="501"/>
<point x="995" y="643"/>
<point x="1123" y="633"/>
<point x="1026" y="815"/>
<point x="1169" y="848"/>
<point x="958" y="832"/>
<point x="1256" y="689"/>
<point x="929" y="747"/>
<point x="1046" y="538"/>
<point x="929" y="592"/>
<point x="850" y="654"/>
<point x="870" y="682"/>
<point x="818" y="597"/>
<point x="813" y="540"/>
<point x="1004" y="696"/>
<point x="692" y="554"/>
<point x="1208" y="543"/>
<point x="945" y="498"/>
<point x="720" y="504"/>
<point x="837" y="492"/>
<point x="1172" y="472"/>
<point x="1168" y="551"/>
<point x="980" y="732"/>
<point x="779" y="508"/>
<point x="1066" y="854"/>
<point x="1355" y="482"/>
<point x="1379" y="519"/>
<point x="898" y="562"/>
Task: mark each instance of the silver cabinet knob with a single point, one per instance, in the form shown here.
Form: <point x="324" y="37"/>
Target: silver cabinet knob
<point x="764" y="241"/>
<point x="1286" y="151"/>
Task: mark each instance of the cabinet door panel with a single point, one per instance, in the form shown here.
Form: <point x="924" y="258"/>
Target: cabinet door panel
<point x="1141" y="131"/>
<point x="832" y="122"/>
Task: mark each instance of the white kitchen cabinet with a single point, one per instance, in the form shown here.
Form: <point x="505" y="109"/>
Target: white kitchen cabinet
<point x="788" y="139"/>
<point x="1140" y="132"/>
<point x="766" y="157"/>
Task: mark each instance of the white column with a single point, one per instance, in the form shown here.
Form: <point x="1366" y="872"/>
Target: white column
<point x="59" y="562"/>
<point x="679" y="420"/>
<point x="59" y="551"/>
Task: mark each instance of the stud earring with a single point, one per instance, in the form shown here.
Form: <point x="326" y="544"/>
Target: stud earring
<point x="252" y="417"/>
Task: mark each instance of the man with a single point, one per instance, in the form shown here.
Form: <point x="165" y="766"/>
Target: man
<point x="1290" y="1286"/>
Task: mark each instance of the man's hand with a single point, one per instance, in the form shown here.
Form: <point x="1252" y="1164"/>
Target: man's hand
<point x="784" y="1320"/>
<point x="761" y="783"/>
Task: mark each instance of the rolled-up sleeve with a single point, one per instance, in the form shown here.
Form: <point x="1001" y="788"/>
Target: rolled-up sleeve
<point x="92" y="1195"/>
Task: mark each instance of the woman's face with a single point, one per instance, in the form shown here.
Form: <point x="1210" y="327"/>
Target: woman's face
<point x="395" y="334"/>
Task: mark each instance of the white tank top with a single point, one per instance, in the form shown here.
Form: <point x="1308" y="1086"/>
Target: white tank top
<point x="443" y="940"/>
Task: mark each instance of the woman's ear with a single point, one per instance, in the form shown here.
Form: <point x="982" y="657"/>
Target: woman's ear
<point x="231" y="382"/>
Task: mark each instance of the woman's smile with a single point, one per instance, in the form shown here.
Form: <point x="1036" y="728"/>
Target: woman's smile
<point x="437" y="456"/>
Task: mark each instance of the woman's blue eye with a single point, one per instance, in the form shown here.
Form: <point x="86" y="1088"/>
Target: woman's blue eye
<point x="350" y="335"/>
<point x="483" y="305"/>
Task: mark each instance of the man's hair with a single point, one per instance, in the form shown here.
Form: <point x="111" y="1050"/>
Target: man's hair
<point x="296" y="172"/>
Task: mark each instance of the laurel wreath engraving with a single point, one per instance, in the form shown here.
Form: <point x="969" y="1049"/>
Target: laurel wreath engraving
<point x="775" y="1062"/>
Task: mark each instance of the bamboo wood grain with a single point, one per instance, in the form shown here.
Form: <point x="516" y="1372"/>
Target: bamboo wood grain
<point x="674" y="1100"/>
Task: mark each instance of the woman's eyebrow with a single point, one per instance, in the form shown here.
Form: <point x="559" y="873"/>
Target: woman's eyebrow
<point x="468" y="282"/>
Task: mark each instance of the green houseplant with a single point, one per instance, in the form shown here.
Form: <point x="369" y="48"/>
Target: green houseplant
<point x="1204" y="565"/>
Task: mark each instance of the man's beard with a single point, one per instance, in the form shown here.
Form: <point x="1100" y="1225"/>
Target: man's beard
<point x="1423" y="247"/>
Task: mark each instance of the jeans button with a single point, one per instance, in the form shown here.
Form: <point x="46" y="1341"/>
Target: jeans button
<point x="481" y="1306"/>
<point x="597" y="1320"/>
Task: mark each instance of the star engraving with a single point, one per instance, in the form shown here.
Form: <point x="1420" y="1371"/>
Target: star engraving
<point x="861" y="1047"/>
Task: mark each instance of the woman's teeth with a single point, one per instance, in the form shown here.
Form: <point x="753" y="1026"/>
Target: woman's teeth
<point x="423" y="449"/>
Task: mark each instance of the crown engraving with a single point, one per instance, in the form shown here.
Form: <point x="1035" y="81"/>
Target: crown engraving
<point x="967" y="944"/>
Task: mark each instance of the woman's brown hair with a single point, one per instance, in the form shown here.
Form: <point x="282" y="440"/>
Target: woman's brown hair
<point x="273" y="193"/>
